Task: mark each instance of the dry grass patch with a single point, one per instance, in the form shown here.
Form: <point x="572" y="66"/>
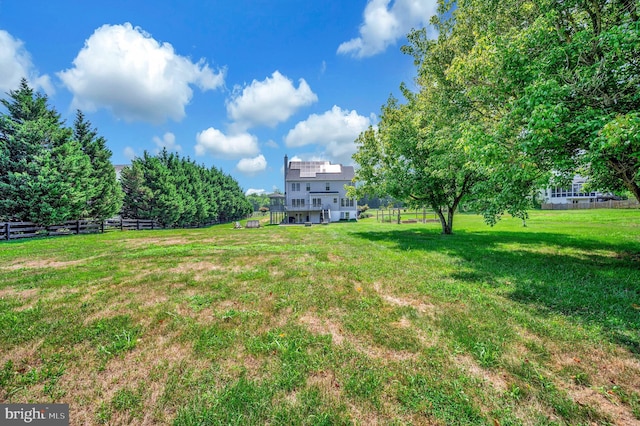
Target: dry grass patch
<point x="44" y="263"/>
<point x="418" y="305"/>
<point x="497" y="380"/>
<point x="317" y="325"/>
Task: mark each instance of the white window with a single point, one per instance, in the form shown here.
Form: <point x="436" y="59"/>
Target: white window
<point x="308" y="187"/>
<point x="327" y="186"/>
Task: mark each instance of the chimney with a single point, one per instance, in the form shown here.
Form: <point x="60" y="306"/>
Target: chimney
<point x="286" y="171"/>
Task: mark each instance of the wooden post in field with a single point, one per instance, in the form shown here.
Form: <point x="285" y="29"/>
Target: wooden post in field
<point x="78" y="227"/>
<point x="8" y="230"/>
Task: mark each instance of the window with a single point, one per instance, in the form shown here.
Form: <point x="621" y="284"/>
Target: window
<point x="341" y="202"/>
<point x="295" y="186"/>
<point x="308" y="187"/>
<point x="327" y="186"/>
<point x="346" y="215"/>
<point x="335" y="201"/>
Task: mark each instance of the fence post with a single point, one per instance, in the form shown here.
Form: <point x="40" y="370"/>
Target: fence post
<point x="138" y="224"/>
<point x="78" y="227"/>
<point x="8" y="230"/>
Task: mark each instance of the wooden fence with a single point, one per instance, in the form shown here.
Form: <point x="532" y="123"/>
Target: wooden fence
<point x="611" y="204"/>
<point x="16" y="230"/>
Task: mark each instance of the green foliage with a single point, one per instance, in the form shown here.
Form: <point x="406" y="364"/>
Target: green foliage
<point x="50" y="173"/>
<point x="103" y="195"/>
<point x="512" y="96"/>
<point x="177" y="191"/>
<point x="560" y="80"/>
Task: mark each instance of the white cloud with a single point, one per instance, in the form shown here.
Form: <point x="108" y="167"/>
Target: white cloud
<point x="124" y="69"/>
<point x="384" y="24"/>
<point x="251" y="166"/>
<point x="252" y="191"/>
<point x="335" y="131"/>
<point x="218" y="144"/>
<point x="129" y="153"/>
<point x="272" y="144"/>
<point x="15" y="64"/>
<point x="168" y="141"/>
<point x="268" y="102"/>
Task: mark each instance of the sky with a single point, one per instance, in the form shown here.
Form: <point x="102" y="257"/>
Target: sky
<point x="234" y="84"/>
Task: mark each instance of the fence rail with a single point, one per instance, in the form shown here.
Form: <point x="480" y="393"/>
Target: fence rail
<point x="17" y="230"/>
<point x="611" y="204"/>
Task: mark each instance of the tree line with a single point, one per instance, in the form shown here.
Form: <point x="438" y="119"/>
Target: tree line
<point x="176" y="191"/>
<point x="51" y="173"/>
<point x="511" y="97"/>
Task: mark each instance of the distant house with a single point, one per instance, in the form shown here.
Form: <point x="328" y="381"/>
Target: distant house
<point x="118" y="168"/>
<point x="315" y="192"/>
<point x="572" y="194"/>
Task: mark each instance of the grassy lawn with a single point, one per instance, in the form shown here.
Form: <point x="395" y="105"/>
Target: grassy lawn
<point x="358" y="323"/>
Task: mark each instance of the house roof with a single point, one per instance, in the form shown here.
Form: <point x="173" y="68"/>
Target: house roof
<point x="319" y="170"/>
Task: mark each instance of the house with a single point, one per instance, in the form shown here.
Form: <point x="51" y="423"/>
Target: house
<point x="573" y="194"/>
<point x="315" y="192"/>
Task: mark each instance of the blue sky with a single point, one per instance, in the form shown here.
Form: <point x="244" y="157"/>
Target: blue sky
<point x="236" y="84"/>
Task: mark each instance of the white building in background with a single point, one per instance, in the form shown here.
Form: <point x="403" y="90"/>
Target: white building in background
<point x="315" y="192"/>
<point x="573" y="194"/>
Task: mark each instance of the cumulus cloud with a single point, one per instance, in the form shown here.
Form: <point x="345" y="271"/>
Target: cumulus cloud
<point x="384" y="23"/>
<point x="232" y="146"/>
<point x="272" y="144"/>
<point x="252" y="191"/>
<point x="167" y="141"/>
<point x="335" y="131"/>
<point x="15" y="64"/>
<point x="124" y="69"/>
<point x="268" y="102"/>
<point x="251" y="166"/>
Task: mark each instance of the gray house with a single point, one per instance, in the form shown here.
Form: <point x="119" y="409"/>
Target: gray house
<point x="315" y="192"/>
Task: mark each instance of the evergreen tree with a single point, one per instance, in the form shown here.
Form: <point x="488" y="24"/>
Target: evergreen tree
<point x="42" y="168"/>
<point x="176" y="191"/>
<point x="102" y="190"/>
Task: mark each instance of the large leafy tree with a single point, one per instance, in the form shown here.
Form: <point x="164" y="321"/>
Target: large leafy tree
<point x="562" y="79"/>
<point x="440" y="149"/>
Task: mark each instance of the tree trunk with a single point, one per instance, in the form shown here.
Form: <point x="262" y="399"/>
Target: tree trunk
<point x="447" y="226"/>
<point x="635" y="189"/>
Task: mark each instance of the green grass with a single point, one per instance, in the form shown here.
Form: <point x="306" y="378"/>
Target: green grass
<point x="351" y="323"/>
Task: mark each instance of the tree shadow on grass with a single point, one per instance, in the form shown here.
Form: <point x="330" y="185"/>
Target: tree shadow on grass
<point x="585" y="280"/>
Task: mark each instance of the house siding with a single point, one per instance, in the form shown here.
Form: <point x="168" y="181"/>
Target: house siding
<point x="315" y="192"/>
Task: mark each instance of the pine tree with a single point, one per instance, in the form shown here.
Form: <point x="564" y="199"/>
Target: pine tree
<point x="41" y="166"/>
<point x="103" y="192"/>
